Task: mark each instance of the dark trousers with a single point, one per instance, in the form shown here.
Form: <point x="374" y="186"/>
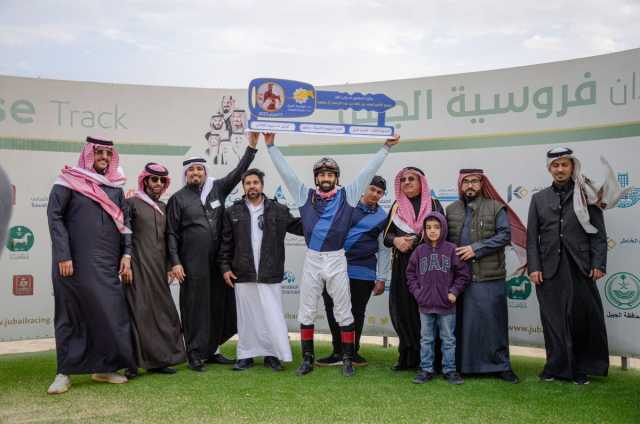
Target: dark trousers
<point x="360" y="294"/>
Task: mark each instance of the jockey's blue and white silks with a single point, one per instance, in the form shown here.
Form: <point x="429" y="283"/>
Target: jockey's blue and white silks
<point x="326" y="222"/>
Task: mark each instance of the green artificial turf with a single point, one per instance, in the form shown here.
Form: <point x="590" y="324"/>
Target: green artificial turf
<point x="375" y="394"/>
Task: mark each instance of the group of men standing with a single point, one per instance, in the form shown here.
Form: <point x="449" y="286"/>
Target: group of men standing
<point x="101" y="240"/>
<point x="230" y="263"/>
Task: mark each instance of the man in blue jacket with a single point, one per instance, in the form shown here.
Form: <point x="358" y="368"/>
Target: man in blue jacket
<point x="326" y="212"/>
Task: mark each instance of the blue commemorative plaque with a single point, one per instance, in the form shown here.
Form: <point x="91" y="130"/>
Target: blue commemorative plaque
<point x="274" y="102"/>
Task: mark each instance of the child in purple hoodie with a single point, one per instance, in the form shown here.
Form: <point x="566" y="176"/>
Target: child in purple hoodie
<point x="436" y="277"/>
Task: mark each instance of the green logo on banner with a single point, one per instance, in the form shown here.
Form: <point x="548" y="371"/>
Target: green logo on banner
<point x="622" y="290"/>
<point x="20" y="239"/>
<point x="519" y="288"/>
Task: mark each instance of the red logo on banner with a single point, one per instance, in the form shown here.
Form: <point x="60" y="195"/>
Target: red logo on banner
<point x="23" y="285"/>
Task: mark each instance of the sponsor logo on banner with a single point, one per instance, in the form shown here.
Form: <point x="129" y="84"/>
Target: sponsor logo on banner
<point x="622" y="290"/>
<point x="289" y="285"/>
<point x="23" y="285"/>
<point x="518" y="291"/>
<point x="19" y="241"/>
<point x="629" y="242"/>
<point x="611" y="243"/>
<point x="39" y="201"/>
<point x="632" y="197"/>
<point x="446" y="194"/>
<point x="519" y="192"/>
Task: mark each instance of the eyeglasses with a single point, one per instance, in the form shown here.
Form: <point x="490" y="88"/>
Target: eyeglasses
<point x="261" y="222"/>
<point x="410" y="178"/>
<point x="475" y="181"/>
<point x="155" y="179"/>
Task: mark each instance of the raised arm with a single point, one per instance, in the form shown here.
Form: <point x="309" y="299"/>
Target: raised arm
<point x="232" y="179"/>
<point x="296" y="188"/>
<point x="354" y="190"/>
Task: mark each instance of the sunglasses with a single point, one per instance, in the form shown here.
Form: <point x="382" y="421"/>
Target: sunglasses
<point x="155" y="179"/>
<point x="261" y="222"/>
<point x="411" y="178"/>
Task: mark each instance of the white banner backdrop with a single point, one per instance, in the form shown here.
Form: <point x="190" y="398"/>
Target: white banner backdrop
<point x="503" y="121"/>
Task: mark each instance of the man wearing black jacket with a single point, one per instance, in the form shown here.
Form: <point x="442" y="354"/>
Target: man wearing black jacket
<point x="252" y="261"/>
<point x="566" y="255"/>
<point x="194" y="225"/>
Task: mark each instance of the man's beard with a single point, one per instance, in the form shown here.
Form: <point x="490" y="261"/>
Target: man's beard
<point x="323" y="187"/>
<point x="471" y="195"/>
<point x="151" y="193"/>
<point x="253" y="195"/>
<point x="194" y="183"/>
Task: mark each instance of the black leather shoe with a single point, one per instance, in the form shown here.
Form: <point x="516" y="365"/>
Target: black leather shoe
<point x="581" y="379"/>
<point x="243" y="364"/>
<point x="332" y="360"/>
<point x="545" y="376"/>
<point x="359" y="361"/>
<point x="131" y="373"/>
<point x="273" y="363"/>
<point x="163" y="370"/>
<point x="196" y="365"/>
<point x="219" y="358"/>
<point x="347" y="367"/>
<point x="306" y="367"/>
<point x="509" y="377"/>
<point x="399" y="367"/>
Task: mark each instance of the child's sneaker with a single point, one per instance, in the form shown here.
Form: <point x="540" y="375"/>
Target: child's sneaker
<point x="423" y="377"/>
<point x="453" y="378"/>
